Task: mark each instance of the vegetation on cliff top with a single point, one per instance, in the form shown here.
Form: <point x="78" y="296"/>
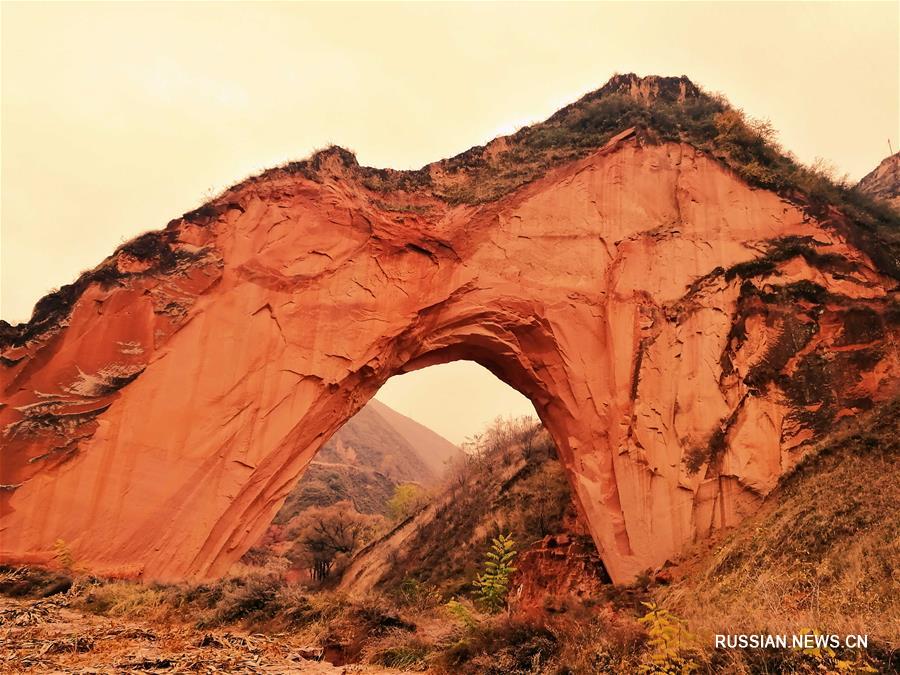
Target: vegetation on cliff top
<point x="660" y="108"/>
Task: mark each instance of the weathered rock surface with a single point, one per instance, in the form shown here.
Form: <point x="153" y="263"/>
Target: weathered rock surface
<point x="884" y="181"/>
<point x="683" y="336"/>
<point x="560" y="568"/>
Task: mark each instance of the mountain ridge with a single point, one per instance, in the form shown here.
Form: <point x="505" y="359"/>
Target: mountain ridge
<point x="873" y="228"/>
<point x="366" y="459"/>
<point x="432" y="448"/>
<point x="883" y="182"/>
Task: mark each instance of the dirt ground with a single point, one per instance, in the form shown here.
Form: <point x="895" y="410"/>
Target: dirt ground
<point x="45" y="636"/>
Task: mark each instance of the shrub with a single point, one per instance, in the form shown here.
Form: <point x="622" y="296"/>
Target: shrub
<point x="493" y="582"/>
<point x="669" y="643"/>
<point x="501" y="648"/>
<point x="124" y="599"/>
<point x="606" y="642"/>
<point x="409" y="654"/>
<point x="254" y="597"/>
<point x="462" y="613"/>
<point x="414" y="593"/>
<point x="408" y="498"/>
<point x="328" y="536"/>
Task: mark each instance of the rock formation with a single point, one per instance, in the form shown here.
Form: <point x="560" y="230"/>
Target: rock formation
<point x="884" y="181"/>
<point x="559" y="568"/>
<point x="683" y="335"/>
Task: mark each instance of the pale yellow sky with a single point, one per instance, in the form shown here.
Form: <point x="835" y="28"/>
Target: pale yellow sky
<point x="118" y="117"/>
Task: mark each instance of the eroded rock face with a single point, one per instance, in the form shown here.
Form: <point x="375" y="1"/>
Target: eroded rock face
<point x="884" y="181"/>
<point x="558" y="569"/>
<point x="683" y="337"/>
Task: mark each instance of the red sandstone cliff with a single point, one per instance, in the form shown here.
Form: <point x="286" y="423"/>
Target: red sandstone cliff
<point x="683" y="335"/>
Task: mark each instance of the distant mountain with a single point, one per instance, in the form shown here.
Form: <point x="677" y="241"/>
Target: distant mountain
<point x="435" y="451"/>
<point x="377" y="449"/>
<point x="368" y="440"/>
<point x="884" y="182"/>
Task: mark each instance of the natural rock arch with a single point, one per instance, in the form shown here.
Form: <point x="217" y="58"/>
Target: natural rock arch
<point x="157" y="413"/>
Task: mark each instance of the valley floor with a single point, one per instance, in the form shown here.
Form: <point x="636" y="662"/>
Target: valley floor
<point x="46" y="636"/>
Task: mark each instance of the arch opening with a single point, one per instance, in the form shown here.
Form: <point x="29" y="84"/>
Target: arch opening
<point x="456" y="399"/>
<point x="493" y="343"/>
<point x="378" y="470"/>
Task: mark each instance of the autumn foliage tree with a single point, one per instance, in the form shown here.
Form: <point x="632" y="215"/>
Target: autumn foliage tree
<point x="406" y="500"/>
<point x="327" y="536"/>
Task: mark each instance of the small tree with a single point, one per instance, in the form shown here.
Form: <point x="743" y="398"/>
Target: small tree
<point x="669" y="643"/>
<point x="327" y="536"/>
<point x="406" y="500"/>
<point x="493" y="582"/>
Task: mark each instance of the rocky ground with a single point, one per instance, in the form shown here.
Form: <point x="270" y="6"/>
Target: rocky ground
<point x="48" y="636"/>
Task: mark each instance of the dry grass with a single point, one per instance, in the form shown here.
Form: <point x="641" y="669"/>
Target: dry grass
<point x="821" y="554"/>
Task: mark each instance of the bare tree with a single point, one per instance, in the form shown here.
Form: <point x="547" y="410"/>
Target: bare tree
<point x="328" y="535"/>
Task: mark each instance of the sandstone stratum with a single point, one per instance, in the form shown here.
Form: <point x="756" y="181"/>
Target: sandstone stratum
<point x="685" y="320"/>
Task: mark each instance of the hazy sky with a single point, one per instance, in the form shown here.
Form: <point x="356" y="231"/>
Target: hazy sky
<point x="118" y="117"/>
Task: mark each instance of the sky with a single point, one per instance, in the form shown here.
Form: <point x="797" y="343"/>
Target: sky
<point x="115" y="118"/>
